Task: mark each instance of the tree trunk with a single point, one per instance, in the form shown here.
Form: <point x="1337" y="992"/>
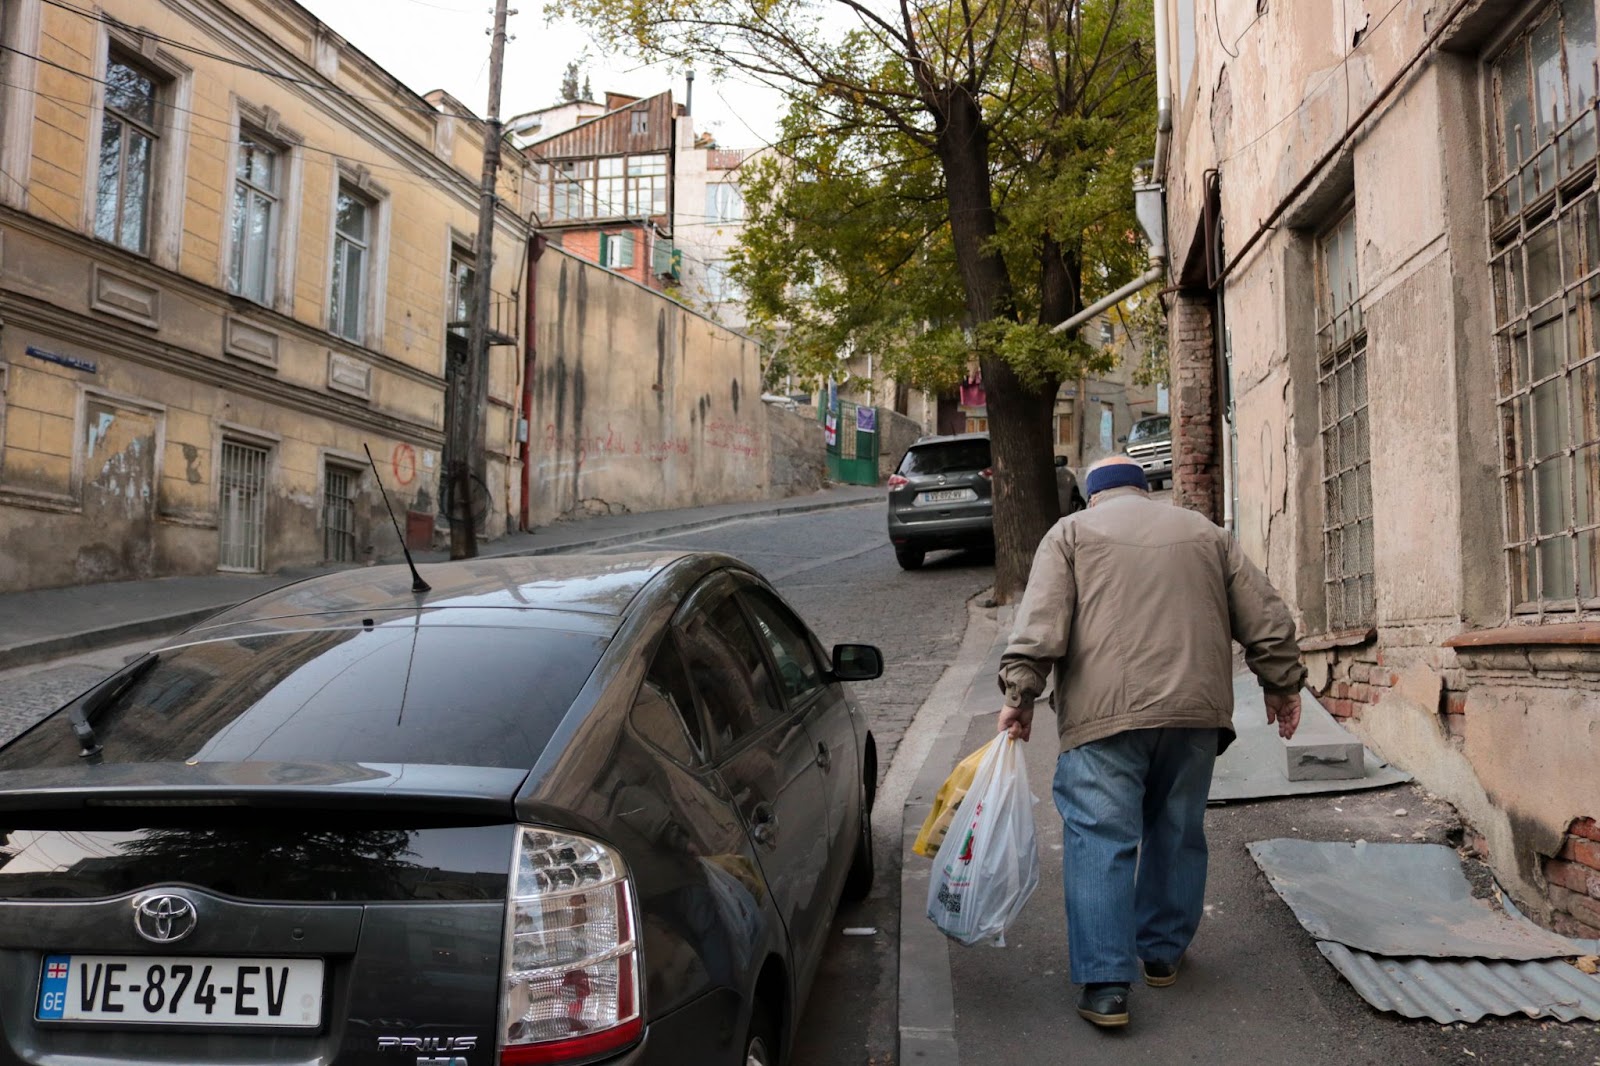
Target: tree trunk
<point x="1025" y="501"/>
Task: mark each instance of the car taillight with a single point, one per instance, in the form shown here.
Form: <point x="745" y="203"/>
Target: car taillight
<point x="896" y="481"/>
<point x="987" y="473"/>
<point x="571" y="956"/>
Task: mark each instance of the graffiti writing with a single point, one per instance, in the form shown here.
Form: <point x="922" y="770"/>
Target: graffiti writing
<point x="615" y="444"/>
<point x="404" y="461"/>
<point x="731" y="437"/>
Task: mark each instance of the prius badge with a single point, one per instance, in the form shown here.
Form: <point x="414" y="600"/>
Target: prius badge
<point x="164" y="918"/>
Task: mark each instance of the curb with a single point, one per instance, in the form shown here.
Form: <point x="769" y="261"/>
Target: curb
<point x="36" y="651"/>
<point x="29" y="653"/>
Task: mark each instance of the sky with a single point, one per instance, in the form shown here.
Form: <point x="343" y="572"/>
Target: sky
<point x="443" y="44"/>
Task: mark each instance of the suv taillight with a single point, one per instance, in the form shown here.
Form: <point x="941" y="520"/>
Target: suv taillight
<point x="571" y="956"/>
<point x="896" y="481"/>
<point x="987" y="473"/>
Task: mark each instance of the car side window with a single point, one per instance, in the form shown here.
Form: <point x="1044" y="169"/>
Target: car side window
<point x="729" y="671"/>
<point x="663" y="711"/>
<point x="784" y="634"/>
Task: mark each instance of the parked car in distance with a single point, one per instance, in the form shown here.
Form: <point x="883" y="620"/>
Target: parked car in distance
<point x="940" y="496"/>
<point x="1149" y="443"/>
<point x="561" y="809"/>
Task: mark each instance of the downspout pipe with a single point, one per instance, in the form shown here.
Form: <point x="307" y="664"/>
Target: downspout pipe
<point x="530" y="352"/>
<point x="1163" y="94"/>
<point x="1155" y="273"/>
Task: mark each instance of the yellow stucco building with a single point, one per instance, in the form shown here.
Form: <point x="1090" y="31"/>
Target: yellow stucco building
<point x="232" y="249"/>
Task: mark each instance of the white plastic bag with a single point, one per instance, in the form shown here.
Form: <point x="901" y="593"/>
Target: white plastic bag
<point x="988" y="865"/>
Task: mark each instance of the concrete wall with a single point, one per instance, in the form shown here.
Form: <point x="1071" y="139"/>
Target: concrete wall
<point x="797" y="452"/>
<point x="1493" y="710"/>
<point x="638" y="404"/>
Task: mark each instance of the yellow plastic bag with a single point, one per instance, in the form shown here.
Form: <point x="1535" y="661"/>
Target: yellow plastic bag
<point x="946" y="802"/>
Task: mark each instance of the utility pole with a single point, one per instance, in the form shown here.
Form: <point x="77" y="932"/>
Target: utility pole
<point x="467" y="452"/>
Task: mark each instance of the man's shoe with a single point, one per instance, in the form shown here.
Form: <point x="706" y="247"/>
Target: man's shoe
<point x="1161" y="974"/>
<point x="1104" y="1005"/>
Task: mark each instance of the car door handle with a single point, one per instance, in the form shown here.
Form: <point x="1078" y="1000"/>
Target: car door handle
<point x="824" y="757"/>
<point x="763" y="825"/>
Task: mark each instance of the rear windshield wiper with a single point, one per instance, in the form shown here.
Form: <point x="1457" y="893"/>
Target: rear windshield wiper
<point x="83" y="710"/>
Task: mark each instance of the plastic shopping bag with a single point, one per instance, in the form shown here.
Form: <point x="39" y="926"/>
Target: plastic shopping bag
<point x="988" y="864"/>
<point x="947" y="801"/>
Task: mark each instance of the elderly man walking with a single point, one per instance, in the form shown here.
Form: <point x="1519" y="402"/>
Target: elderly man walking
<point x="1133" y="604"/>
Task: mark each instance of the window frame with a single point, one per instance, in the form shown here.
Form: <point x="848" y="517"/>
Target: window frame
<point x="1538" y="204"/>
<point x="748" y="591"/>
<point x="367" y="274"/>
<point x="332" y="465"/>
<point x="711" y="592"/>
<point x="130" y="125"/>
<point x="277" y="202"/>
<point x="699" y="748"/>
<point x="1341" y="354"/>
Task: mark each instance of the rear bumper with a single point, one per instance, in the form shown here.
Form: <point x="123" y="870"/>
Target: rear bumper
<point x="936" y="530"/>
<point x="704" y="1031"/>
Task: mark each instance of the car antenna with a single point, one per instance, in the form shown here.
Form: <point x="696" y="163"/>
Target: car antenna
<point x="417" y="584"/>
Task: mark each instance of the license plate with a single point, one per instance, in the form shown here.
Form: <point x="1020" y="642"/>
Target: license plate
<point x="180" y="990"/>
<point x="948" y="495"/>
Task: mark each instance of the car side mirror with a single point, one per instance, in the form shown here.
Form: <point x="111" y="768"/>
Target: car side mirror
<point x="1122" y="440"/>
<point x="1061" y="461"/>
<point x="857" y="662"/>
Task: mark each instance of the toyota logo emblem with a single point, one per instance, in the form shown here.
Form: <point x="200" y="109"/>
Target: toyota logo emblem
<point x="164" y="919"/>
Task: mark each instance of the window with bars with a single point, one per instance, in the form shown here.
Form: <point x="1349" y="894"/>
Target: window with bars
<point x="1545" y="259"/>
<point x="352" y="248"/>
<point x="462" y="277"/>
<point x="255" y="218"/>
<point x="1343" y="426"/>
<point x="242" y="507"/>
<point x="129" y="134"/>
<point x="339" y="514"/>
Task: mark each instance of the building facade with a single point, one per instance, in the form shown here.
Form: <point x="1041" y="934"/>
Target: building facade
<point x="1386" y="373"/>
<point x="232" y="259"/>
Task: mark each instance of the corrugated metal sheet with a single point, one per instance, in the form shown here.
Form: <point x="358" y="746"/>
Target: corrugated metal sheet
<point x="1467" y="990"/>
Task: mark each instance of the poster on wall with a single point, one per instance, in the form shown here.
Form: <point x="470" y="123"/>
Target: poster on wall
<point x="866" y="419"/>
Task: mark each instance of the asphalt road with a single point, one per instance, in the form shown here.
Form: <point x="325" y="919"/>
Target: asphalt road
<point x="836" y="568"/>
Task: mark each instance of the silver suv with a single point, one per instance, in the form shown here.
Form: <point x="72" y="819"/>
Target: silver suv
<point x="1149" y="443"/>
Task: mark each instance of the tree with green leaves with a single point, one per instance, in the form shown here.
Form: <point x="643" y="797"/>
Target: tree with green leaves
<point x="570" y="88"/>
<point x="954" y="178"/>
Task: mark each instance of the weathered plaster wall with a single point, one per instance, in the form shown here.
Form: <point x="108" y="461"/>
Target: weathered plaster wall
<point x="797" y="453"/>
<point x="638" y="403"/>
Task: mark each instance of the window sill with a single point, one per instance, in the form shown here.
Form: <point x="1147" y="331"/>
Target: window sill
<point x="1343" y="638"/>
<point x="1560" y="634"/>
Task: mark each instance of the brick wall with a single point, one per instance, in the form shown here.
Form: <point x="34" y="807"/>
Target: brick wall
<point x="1197" y="473"/>
<point x="585" y="244"/>
<point x="1573" y="875"/>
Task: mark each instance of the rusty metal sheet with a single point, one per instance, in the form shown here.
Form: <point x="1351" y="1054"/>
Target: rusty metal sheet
<point x="1397" y="899"/>
<point x="1468" y="990"/>
<point x="1253" y="765"/>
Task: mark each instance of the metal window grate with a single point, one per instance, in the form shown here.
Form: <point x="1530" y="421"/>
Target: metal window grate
<point x="242" y="507"/>
<point x="1544" y="250"/>
<point x="1346" y="437"/>
<point x="339" y="515"/>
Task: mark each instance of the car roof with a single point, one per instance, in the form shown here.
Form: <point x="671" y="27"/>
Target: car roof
<point x="945" y="438"/>
<point x="594" y="585"/>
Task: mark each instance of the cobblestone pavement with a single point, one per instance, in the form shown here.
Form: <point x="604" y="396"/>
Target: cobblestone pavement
<point x="836" y="568"/>
<point x="31" y="692"/>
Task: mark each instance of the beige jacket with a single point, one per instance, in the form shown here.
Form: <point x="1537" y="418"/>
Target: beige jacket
<point x="1135" y="603"/>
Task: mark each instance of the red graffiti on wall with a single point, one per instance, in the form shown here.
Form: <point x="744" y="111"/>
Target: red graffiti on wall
<point x="612" y="443"/>
<point x="731" y="437"/>
<point x="404" y="461"/>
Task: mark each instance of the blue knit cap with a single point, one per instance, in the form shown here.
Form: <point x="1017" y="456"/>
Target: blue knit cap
<point x="1115" y="476"/>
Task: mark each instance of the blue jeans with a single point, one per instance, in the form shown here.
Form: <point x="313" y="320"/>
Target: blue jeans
<point x="1133" y="809"/>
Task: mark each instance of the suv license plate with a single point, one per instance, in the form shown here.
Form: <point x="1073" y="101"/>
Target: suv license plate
<point x="949" y="496"/>
<point x="181" y="990"/>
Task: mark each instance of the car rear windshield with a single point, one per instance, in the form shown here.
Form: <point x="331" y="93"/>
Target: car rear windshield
<point x="332" y="861"/>
<point x="1150" y="428"/>
<point x="946" y="457"/>
<point x="391" y="693"/>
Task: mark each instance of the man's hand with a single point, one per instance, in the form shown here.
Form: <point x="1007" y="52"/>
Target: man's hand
<point x="1285" y="711"/>
<point x="1018" y="721"/>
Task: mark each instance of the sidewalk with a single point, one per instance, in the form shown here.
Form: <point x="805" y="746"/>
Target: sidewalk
<point x="46" y="623"/>
<point x="1253" y="988"/>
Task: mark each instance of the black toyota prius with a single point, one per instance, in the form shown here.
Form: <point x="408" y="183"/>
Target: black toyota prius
<point x="557" y="810"/>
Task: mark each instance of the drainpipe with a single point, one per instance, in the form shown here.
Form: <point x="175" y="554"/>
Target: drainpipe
<point x="1163" y="94"/>
<point x="1155" y="273"/>
<point x="536" y="245"/>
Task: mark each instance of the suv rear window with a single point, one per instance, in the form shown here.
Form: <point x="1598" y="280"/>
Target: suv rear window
<point x="947" y="456"/>
<point x="1150" y="428"/>
<point x="391" y="693"/>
